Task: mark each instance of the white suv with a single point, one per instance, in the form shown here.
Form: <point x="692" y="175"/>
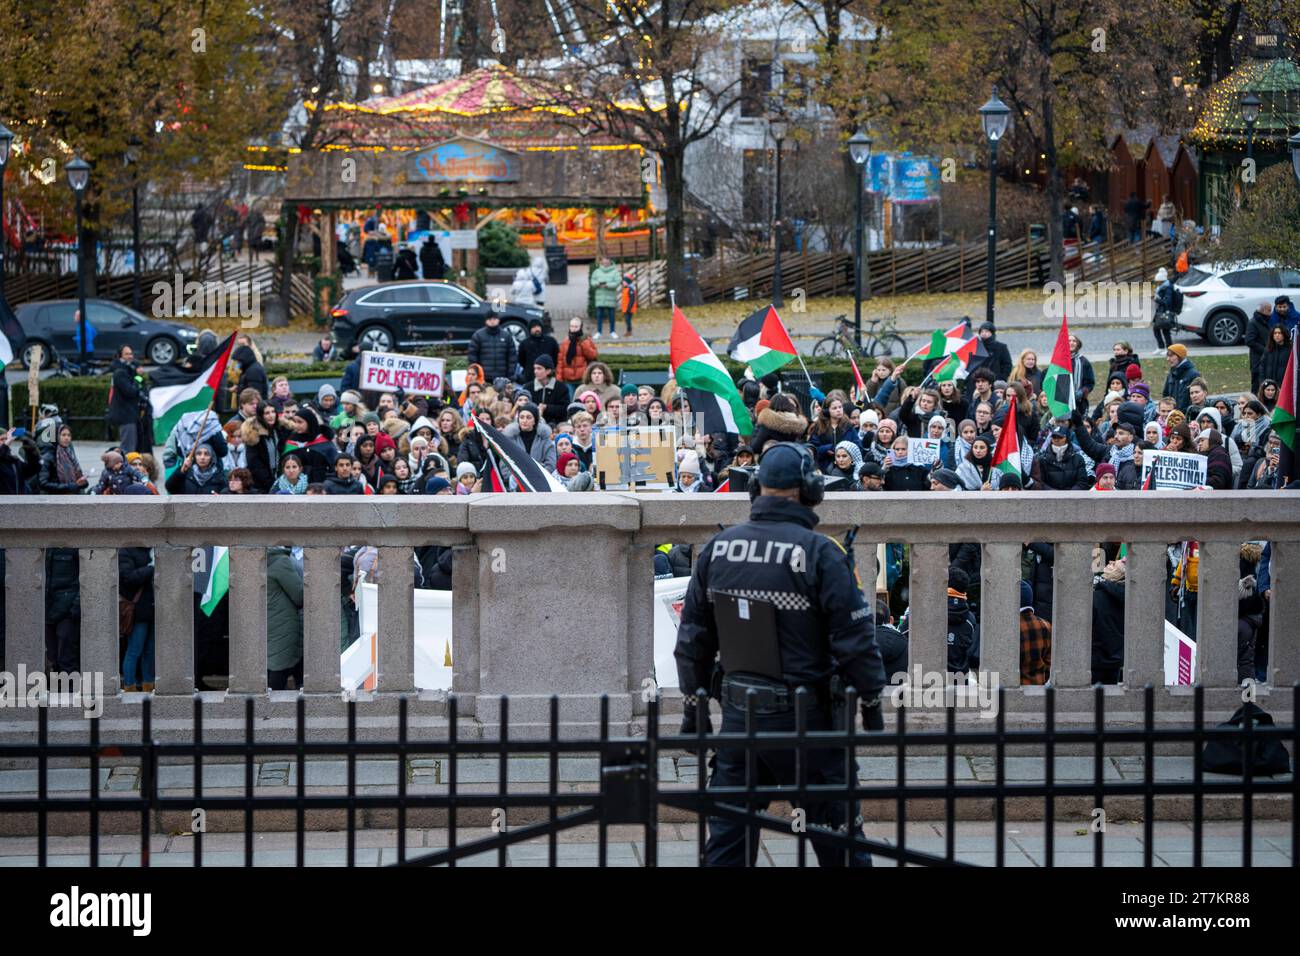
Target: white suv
<point x="1218" y="300"/>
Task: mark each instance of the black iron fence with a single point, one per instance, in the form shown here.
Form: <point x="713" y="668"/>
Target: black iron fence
<point x="631" y="792"/>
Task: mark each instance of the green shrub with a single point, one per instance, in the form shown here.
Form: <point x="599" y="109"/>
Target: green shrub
<point x="499" y="248"/>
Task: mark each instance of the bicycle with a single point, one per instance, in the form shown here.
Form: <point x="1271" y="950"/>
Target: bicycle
<point x="879" y="338"/>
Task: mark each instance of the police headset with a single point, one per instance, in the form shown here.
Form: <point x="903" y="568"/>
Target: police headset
<point x="812" y="489"/>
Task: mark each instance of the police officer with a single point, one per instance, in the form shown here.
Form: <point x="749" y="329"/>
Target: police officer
<point x="823" y="626"/>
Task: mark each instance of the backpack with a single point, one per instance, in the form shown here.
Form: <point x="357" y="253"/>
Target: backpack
<point x="1175" y="300"/>
<point x="1269" y="757"/>
<point x="537" y="286"/>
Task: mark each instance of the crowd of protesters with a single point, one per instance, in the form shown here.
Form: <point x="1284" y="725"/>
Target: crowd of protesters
<point x="553" y="397"/>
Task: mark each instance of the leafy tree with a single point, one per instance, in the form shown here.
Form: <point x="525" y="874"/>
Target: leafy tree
<point x="1268" y="226"/>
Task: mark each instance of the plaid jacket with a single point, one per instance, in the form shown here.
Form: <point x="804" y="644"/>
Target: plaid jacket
<point x="1035" y="648"/>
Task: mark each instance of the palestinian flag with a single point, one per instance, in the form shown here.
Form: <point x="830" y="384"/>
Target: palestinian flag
<point x="1283" y="419"/>
<point x="956" y="365"/>
<point x="12" y="337"/>
<point x="723" y="488"/>
<point x="212" y="583"/>
<point x="761" y="342"/>
<point x="1058" y="380"/>
<point x="708" y="387"/>
<point x="945" y="343"/>
<point x="506" y="453"/>
<point x="1006" y="456"/>
<point x="180" y="392"/>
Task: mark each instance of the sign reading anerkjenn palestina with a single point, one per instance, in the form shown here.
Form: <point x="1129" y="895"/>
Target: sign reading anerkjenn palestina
<point x="462" y="160"/>
<point x="1173" y="470"/>
<point x="413" y="374"/>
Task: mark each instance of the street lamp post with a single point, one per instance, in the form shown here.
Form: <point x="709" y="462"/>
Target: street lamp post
<point x="859" y="152"/>
<point x="995" y="116"/>
<point x="6" y="140"/>
<point x="78" y="179"/>
<point x="777" y="126"/>
<point x="1250" y="104"/>
<point x="132" y="158"/>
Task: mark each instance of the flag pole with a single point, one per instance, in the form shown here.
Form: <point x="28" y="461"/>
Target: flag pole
<point x="198" y="436"/>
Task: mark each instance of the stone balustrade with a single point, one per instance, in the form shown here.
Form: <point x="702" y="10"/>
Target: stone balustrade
<point x="553" y="593"/>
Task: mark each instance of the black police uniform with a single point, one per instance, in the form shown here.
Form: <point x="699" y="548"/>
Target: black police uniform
<point x="824" y="625"/>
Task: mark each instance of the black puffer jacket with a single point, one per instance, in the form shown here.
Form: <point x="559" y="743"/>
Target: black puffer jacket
<point x="260" y="454"/>
<point x="62" y="584"/>
<point x="17" y="472"/>
<point x="495" y="350"/>
<point x="963" y="636"/>
<point x="1107" y="628"/>
<point x="251" y="373"/>
<point x="1069" y="473"/>
<point x="135" y="573"/>
<point x="49" y="475"/>
<point x="124" y="402"/>
<point x="774" y="426"/>
<point x="435" y="567"/>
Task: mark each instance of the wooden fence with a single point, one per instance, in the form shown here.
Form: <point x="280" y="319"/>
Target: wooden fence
<point x="37" y="287"/>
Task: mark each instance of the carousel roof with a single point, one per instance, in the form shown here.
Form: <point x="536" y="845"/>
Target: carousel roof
<point x="1276" y="81"/>
<point x="491" y="89"/>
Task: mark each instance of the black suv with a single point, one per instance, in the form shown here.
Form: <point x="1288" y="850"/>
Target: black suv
<point x="419" y="314"/>
<point x="52" y="324"/>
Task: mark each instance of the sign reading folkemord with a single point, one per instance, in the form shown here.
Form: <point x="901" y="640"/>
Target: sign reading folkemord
<point x="414" y="374"/>
<point x="462" y="160"/>
<point x="1176" y="470"/>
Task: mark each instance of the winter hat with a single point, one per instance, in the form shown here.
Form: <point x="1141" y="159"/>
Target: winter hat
<point x="138" y="490"/>
<point x="989" y="326"/>
<point x="1105" y="468"/>
<point x="573" y="408"/>
<point x="419" y="441"/>
<point x="958" y="580"/>
<point x="690" y="464"/>
<point x="1140" y="388"/>
<point x="534" y="322"/>
<point x="350" y="398"/>
<point x="852" y="450"/>
<point x="134" y="456"/>
<point x="582" y="398"/>
<point x="627" y="390"/>
<point x="870" y="417"/>
<point x="1026" y="596"/>
<point x="1162" y="274"/>
<point x="111" y="458"/>
<point x="564" y="460"/>
<point x="936" y="418"/>
<point x="1178" y="349"/>
<point x="434" y="484"/>
<point x="369" y="417"/>
<point x="1010" y="480"/>
<point x="946" y="477"/>
<point x="465" y="468"/>
<point x="870" y="469"/>
<point x="324" y="390"/>
<point x="383" y="440"/>
<point x="1133" y="372"/>
<point x="530" y="407"/>
<point x="500" y="384"/>
<point x="545" y="361"/>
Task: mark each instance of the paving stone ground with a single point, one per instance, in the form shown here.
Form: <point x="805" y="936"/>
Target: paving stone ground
<point x="676" y="847"/>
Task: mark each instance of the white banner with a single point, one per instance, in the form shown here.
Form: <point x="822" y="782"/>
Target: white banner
<point x="414" y="374"/>
<point x="1177" y="470"/>
<point x="1180" y="657"/>
<point x="434" y="648"/>
<point x="923" y="451"/>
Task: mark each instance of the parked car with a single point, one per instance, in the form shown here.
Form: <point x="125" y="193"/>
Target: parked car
<point x="52" y="324"/>
<point x="422" y="313"/>
<point x="1218" y="299"/>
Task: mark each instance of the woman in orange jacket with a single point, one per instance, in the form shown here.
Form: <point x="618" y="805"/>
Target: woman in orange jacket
<point x="575" y="352"/>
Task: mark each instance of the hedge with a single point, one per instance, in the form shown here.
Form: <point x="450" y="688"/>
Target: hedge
<point x="87" y="398"/>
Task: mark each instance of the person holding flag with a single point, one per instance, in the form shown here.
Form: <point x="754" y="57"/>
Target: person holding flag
<point x="1284" y="420"/>
<point x="1058" y="380"/>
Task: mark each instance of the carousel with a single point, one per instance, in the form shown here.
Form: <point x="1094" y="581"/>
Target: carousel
<point x="452" y="157"/>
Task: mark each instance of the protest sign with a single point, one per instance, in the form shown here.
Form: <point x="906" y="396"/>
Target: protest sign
<point x="923" y="451"/>
<point x="631" y="456"/>
<point x="1176" y="470"/>
<point x="390" y="371"/>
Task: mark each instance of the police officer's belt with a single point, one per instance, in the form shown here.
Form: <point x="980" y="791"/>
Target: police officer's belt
<point x="770" y="697"/>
